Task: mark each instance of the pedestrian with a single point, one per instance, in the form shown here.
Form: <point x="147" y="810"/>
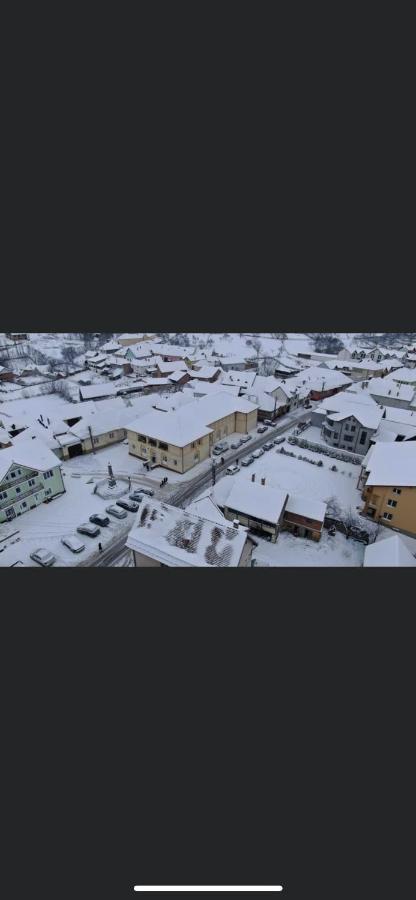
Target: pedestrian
<point x="100" y="547"/>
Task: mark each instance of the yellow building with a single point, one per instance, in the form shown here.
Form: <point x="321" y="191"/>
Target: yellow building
<point x="388" y="484"/>
<point x="184" y="437"/>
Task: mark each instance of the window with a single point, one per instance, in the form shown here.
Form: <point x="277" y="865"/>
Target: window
<point x="387" y="516"/>
<point x="18" y="490"/>
<point x="95" y="440"/>
<point x="142" y="438"/>
<point x="353" y="428"/>
<point x="163" y="446"/>
<point x="392" y="503"/>
<point x="152" y="442"/>
<point x="111" y="435"/>
<point x="330" y="422"/>
<point x="13" y="474"/>
<point x="24" y="504"/>
<point x="347" y="428"/>
<point x="397" y="490"/>
<point x="164" y="458"/>
<point x="175" y="462"/>
<point x="363" y="437"/>
<point x="3" y="495"/>
<point x="31" y="482"/>
<point x="349" y="438"/>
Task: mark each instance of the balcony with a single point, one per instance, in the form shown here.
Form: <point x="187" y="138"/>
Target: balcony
<point x="35" y="490"/>
<point x="7" y="485"/>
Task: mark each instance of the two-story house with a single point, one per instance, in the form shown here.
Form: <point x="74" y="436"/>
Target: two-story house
<point x="30" y="474"/>
<point x="388" y="485"/>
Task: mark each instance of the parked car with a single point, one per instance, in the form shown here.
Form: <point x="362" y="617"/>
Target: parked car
<point x="73" y="544"/>
<point x="247" y="461"/>
<point x="236" y="445"/>
<point x="89" y="529"/>
<point x="136" y="496"/>
<point x="129" y="505"/>
<point x="232" y="470"/>
<point x="269" y="423"/>
<point x="279" y="440"/>
<point x="99" y="519"/>
<point x="258" y="453"/>
<point x="220" y="448"/>
<point x="268" y="446"/>
<point x="245" y="438"/>
<point x="262" y="429"/>
<point x="43" y="557"/>
<point x="147" y="491"/>
<point x="116" y="512"/>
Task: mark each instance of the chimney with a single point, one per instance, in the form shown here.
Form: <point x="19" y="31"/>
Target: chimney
<point x="236" y="524"/>
<point x="253" y="477"/>
<point x="263" y="481"/>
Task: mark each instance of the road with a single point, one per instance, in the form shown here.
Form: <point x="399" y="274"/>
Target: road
<point x="117" y="555"/>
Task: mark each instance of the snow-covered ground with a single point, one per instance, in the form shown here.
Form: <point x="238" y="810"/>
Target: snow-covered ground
<point x="290" y="551"/>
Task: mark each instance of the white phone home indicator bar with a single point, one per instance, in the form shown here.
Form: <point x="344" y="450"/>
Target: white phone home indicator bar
<point x="212" y="888"/>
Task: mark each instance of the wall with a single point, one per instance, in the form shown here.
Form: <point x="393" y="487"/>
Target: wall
<point x="31" y="495"/>
<point x="177" y="459"/>
<point x="145" y="562"/>
<point x="404" y="514"/>
<point x="291" y="521"/>
<point x="336" y="435"/>
<point x="103" y="440"/>
<point x="250" y="522"/>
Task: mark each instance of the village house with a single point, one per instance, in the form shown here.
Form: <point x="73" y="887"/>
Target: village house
<point x="257" y="507"/>
<point x="30" y="474"/>
<point x="17" y="336"/>
<point x="304" y="518"/>
<point x="320" y="382"/>
<point x="165" y="536"/>
<point x="348" y="421"/>
<point x="388" y="485"/>
<point x="181" y="439"/>
<point x="127" y="340"/>
<point x="5" y="440"/>
<point x="389" y="392"/>
<point x="6" y="374"/>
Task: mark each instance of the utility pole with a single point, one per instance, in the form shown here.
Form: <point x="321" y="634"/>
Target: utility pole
<point x="214" y="474"/>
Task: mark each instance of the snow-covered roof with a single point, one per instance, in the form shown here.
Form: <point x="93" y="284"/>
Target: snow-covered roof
<point x="367" y="416"/>
<point x="175" y="537"/>
<point x="404" y="375"/>
<point x="205" y="372"/>
<point x="90" y="392"/>
<point x="177" y="376"/>
<point x="243" y="379"/>
<point x="261" y="501"/>
<point x="402" y="416"/>
<point x="172" y="428"/>
<point x="207" y="389"/>
<point x="31" y="453"/>
<point x="392" y="464"/>
<point x="205" y="508"/>
<point x="390" y="552"/>
<point x="385" y="388"/>
<point x="303" y="506"/>
<point x="167" y="367"/>
<point x="4" y="436"/>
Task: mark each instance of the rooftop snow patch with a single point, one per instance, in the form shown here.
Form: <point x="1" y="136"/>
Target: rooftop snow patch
<point x="175" y="537"/>
<point x="258" y="500"/>
<point x="303" y="506"/>
<point x="390" y="552"/>
<point x="392" y="464"/>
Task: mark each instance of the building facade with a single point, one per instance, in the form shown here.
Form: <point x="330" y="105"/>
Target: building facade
<point x="22" y="487"/>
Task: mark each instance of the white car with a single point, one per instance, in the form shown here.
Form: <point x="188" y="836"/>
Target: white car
<point x="258" y="453"/>
<point x="117" y="512"/>
<point x="43" y="557"/>
<point x="73" y="544"/>
<point x="232" y="470"/>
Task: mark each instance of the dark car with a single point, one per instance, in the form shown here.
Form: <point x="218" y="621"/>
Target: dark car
<point x="99" y="519"/>
<point x="136" y="497"/>
<point x="262" y="429"/>
<point x="129" y="505"/>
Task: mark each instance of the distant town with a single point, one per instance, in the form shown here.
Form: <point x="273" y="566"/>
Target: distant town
<point x="207" y="450"/>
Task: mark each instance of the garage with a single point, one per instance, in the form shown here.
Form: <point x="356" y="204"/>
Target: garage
<point x="74" y="450"/>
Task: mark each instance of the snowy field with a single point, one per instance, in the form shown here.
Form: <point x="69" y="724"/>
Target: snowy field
<point x="290" y="551"/>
